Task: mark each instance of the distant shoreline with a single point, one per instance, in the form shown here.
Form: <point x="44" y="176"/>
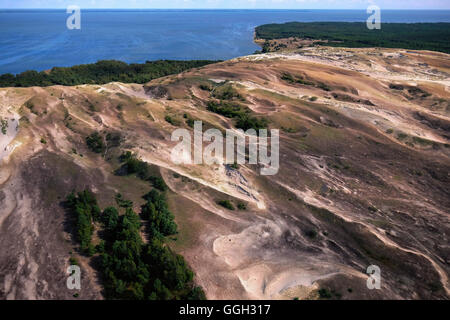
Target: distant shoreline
<point x="412" y="36"/>
<point x="208" y="9"/>
<point x="137" y="35"/>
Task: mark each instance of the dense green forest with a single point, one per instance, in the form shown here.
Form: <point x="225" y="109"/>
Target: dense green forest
<point x="416" y="36"/>
<point x="85" y="208"/>
<point x="100" y="73"/>
<point x="132" y="269"/>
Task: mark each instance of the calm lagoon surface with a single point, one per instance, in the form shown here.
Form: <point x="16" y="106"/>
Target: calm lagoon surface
<point x="40" y="40"/>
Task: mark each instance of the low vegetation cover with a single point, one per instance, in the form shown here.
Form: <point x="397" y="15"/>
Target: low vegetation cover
<point x="238" y="112"/>
<point x="101" y="72"/>
<point x="4" y="125"/>
<point x="415" y="36"/>
<point x="227" y="92"/>
<point x="226" y="204"/>
<point x="95" y="143"/>
<point x="131" y="164"/>
<point x="298" y="79"/>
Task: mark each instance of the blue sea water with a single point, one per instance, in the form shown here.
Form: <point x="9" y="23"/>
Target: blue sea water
<point x="40" y="40"/>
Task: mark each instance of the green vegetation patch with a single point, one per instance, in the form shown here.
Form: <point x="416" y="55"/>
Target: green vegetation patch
<point x="227" y="109"/>
<point x="4" y="125"/>
<point x="242" y="206"/>
<point x="131" y="164"/>
<point x="416" y="36"/>
<point x="240" y="113"/>
<point x="227" y="92"/>
<point x="422" y="141"/>
<point x="171" y="120"/>
<point x="100" y="143"/>
<point x="298" y="79"/>
<point x="95" y="142"/>
<point x="156" y="212"/>
<point x="132" y="269"/>
<point x="102" y="72"/>
<point x="86" y="210"/>
<point x="226" y="204"/>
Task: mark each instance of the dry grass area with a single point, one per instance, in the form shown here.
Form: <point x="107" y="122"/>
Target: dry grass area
<point x="363" y="179"/>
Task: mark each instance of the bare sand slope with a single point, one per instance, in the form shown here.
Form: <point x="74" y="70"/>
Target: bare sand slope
<point x="363" y="179"/>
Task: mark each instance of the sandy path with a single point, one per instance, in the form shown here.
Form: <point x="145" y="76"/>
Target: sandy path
<point x="6" y="139"/>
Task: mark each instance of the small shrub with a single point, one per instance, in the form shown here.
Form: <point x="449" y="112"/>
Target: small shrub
<point x="226" y="204"/>
<point x="171" y="120"/>
<point x="311" y="234"/>
<point x="132" y="165"/>
<point x="323" y="86"/>
<point x="205" y="87"/>
<point x="123" y="203"/>
<point x="242" y="206"/>
<point x="4" y="125"/>
<point x="227" y="92"/>
<point x="95" y="143"/>
<point x="402" y="136"/>
<point x="396" y="86"/>
<point x="296" y="79"/>
<point x="422" y="141"/>
<point x="113" y="139"/>
<point x="325" y="294"/>
<point x="238" y="112"/>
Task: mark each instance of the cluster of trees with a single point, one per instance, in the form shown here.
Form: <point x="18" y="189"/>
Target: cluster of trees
<point x="135" y="270"/>
<point x="131" y="164"/>
<point x="227" y="92"/>
<point x="104" y="71"/>
<point x="102" y="142"/>
<point x="248" y="122"/>
<point x="234" y="110"/>
<point x="416" y="36"/>
<point x="227" y="109"/>
<point x="132" y="269"/>
<point x="86" y="210"/>
<point x="156" y="213"/>
<point x="266" y="47"/>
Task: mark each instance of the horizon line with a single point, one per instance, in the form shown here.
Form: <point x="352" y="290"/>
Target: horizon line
<point x="334" y="9"/>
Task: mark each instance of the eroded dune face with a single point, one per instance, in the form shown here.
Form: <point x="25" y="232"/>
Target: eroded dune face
<point x="363" y="177"/>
